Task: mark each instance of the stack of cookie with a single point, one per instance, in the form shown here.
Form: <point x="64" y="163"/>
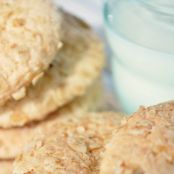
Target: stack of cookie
<point x="50" y="62"/>
<point x="104" y="143"/>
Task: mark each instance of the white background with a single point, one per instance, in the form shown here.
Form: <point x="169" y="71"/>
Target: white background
<point x="89" y="10"/>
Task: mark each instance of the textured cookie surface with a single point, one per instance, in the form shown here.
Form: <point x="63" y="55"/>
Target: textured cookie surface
<point x="29" y="34"/>
<point x="6" y="167"/>
<point x="12" y="140"/>
<point x="73" y="146"/>
<point x="76" y="67"/>
<point x="144" y="144"/>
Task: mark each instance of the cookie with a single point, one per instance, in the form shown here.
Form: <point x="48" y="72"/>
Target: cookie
<point x="78" y="64"/>
<point x="12" y="140"/>
<point x="73" y="145"/>
<point x="30" y="40"/>
<point x="144" y="143"/>
<point x="6" y="167"/>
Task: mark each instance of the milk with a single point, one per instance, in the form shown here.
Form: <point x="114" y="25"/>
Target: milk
<point x="142" y="24"/>
<point x="141" y="34"/>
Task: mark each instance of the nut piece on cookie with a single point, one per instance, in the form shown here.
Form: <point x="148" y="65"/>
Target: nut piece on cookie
<point x="144" y="144"/>
<point x="73" y="145"/>
<point x="29" y="34"/>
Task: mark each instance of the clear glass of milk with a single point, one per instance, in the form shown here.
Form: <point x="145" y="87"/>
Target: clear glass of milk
<point x="141" y="35"/>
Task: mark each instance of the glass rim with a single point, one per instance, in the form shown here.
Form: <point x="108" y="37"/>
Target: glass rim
<point x="122" y="36"/>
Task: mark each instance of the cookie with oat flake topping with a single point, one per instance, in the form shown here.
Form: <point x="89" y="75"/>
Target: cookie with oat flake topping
<point x="77" y="65"/>
<point x="30" y="40"/>
<point x="13" y="140"/>
<point x="74" y="145"/>
<point x="144" y="143"/>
